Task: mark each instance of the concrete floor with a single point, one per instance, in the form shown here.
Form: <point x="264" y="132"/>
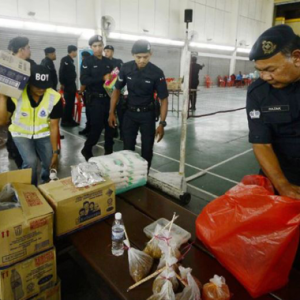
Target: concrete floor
<point x="216" y="144"/>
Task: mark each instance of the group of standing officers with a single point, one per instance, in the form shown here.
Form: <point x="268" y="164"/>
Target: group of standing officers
<point x="138" y="112"/>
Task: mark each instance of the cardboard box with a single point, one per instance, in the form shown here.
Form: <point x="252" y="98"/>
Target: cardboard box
<point x="77" y="207"/>
<point x="25" y="230"/>
<point x="53" y="293"/>
<point x="14" y="74"/>
<point x="29" y="277"/>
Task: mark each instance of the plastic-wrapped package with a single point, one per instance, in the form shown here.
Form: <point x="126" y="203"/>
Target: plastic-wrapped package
<point x="166" y="292"/>
<point x="152" y="247"/>
<point x="8" y="198"/>
<point x="86" y="174"/>
<point x="216" y="289"/>
<point x="168" y="275"/>
<point x="140" y="263"/>
<point x="169" y="247"/>
<point x="191" y="291"/>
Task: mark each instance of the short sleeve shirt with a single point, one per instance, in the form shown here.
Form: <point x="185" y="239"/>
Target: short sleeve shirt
<point x="274" y="117"/>
<point x="142" y="83"/>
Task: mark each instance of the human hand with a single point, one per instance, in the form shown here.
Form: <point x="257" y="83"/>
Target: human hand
<point x="112" y="121"/>
<point x="54" y="161"/>
<point x="160" y="131"/>
<point x="289" y="190"/>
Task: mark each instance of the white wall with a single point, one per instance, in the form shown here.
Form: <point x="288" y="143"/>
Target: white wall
<point x="80" y="13"/>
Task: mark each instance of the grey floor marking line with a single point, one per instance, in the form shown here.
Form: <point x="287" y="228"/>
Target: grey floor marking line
<point x="192" y="186"/>
<point x="217" y="165"/>
<point x="204" y="171"/>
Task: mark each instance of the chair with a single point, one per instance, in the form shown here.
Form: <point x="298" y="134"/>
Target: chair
<point x="221" y="82"/>
<point x="208" y="81"/>
<point x="78" y="108"/>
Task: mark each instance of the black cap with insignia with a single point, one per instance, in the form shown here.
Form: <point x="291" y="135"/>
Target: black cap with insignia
<point x="95" y="38"/>
<point x="49" y="50"/>
<point x="271" y="42"/>
<point x="109" y="47"/>
<point x="141" y="46"/>
<point x="40" y="77"/>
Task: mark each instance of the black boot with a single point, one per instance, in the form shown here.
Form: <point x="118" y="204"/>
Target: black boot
<point x="87" y="153"/>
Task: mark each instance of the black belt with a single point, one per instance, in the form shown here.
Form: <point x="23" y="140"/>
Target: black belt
<point x="139" y="109"/>
<point x="99" y="95"/>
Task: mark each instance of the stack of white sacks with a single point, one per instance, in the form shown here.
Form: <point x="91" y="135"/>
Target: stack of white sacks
<point x="127" y="169"/>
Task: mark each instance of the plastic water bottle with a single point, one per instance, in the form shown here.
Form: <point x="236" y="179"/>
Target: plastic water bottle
<point x="117" y="235"/>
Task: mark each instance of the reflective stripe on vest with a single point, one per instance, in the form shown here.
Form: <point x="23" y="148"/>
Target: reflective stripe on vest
<point x="33" y="122"/>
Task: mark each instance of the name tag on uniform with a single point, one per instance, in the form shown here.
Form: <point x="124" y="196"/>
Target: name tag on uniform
<point x="95" y="66"/>
<point x="129" y="77"/>
<point x="275" y="108"/>
<point x="147" y="81"/>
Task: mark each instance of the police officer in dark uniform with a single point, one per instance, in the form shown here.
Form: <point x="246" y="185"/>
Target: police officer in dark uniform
<point x="273" y="109"/>
<point x="143" y="79"/>
<point x="95" y="70"/>
<point x="50" y="54"/>
<point x="117" y="63"/>
<point x="67" y="79"/>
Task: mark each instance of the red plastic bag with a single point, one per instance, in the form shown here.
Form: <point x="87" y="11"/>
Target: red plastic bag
<point x="253" y="233"/>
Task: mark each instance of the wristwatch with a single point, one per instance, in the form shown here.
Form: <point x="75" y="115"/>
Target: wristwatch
<point x="56" y="152"/>
<point x="163" y="123"/>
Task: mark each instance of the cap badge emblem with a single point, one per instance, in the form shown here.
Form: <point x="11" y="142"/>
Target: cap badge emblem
<point x="268" y="47"/>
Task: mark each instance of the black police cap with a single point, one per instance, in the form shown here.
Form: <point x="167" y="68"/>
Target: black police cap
<point x="141" y="46"/>
<point x="49" y="50"/>
<point x="72" y="48"/>
<point x="109" y="47"/>
<point x="16" y="43"/>
<point x="95" y="38"/>
<point x="271" y="42"/>
<point x="40" y="77"/>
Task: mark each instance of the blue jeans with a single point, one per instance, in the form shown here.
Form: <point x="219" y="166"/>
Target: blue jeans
<point x="33" y="150"/>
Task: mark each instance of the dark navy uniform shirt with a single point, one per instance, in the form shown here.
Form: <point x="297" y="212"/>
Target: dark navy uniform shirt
<point x="274" y="117"/>
<point x="48" y="63"/>
<point x="92" y="71"/>
<point x="67" y="71"/>
<point x="142" y="83"/>
<point x="117" y="63"/>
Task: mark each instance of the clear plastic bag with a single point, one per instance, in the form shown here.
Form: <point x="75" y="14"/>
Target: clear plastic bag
<point x="152" y="247"/>
<point x="191" y="291"/>
<point x="8" y="198"/>
<point x="166" y="293"/>
<point x="216" y="289"/>
<point x="86" y="174"/>
<point x="167" y="275"/>
<point x="140" y="263"/>
<point x="169" y="248"/>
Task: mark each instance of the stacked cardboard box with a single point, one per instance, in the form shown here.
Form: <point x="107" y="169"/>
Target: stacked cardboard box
<point x="75" y="207"/>
<point x="174" y="85"/>
<point x="27" y="256"/>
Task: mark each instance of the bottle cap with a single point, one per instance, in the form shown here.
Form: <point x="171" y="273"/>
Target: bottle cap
<point x="118" y="216"/>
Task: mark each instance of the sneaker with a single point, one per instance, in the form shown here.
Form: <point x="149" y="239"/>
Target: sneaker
<point x="87" y="154"/>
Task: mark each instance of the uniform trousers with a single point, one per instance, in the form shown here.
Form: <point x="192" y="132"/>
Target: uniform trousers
<point x="69" y="95"/>
<point x="145" y="122"/>
<point x="99" y="113"/>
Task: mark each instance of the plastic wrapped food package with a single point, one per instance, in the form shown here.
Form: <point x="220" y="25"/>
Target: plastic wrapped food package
<point x="169" y="248"/>
<point x="140" y="263"/>
<point x="8" y="198"/>
<point x="166" y="292"/>
<point x="191" y="291"/>
<point x="152" y="247"/>
<point x="86" y="174"/>
<point x="167" y="275"/>
<point x="216" y="289"/>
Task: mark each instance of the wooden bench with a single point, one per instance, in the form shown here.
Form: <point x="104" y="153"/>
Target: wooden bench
<point x="141" y="207"/>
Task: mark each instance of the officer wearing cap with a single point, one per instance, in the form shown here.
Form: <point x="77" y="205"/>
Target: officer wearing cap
<point x="109" y="53"/>
<point x="67" y="79"/>
<point x="50" y="54"/>
<point x="117" y="63"/>
<point x="143" y="79"/>
<point x="273" y="108"/>
<point x="34" y="122"/>
<point x="95" y="70"/>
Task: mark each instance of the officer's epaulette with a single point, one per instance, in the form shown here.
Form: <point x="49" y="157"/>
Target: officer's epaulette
<point x="254" y="85"/>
